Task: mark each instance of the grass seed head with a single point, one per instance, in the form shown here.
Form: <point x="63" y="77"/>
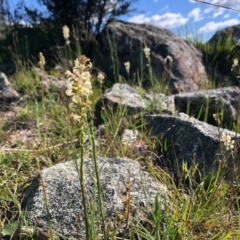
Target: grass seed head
<point x="42" y="60"/>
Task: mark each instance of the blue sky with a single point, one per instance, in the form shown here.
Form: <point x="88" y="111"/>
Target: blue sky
<point x="186" y="17"/>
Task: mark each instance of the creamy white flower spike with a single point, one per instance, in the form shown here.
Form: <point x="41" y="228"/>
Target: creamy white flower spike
<point x="228" y="142"/>
<point x="66" y="34"/>
<point x="147" y="52"/>
<point x="100" y="78"/>
<point x="127" y="66"/>
<point x="79" y="86"/>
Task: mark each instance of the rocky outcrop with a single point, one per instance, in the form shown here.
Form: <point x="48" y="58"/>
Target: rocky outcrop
<point x="199" y="104"/>
<point x="183" y="140"/>
<point x="179" y="138"/>
<point x="188" y="139"/>
<point x="119" y="178"/>
<point x="186" y="73"/>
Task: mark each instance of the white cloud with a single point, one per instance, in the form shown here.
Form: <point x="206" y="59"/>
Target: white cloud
<point x="141" y="18"/>
<point x="195" y="14"/>
<point x="218" y="13"/>
<point x="208" y="10"/>
<point x="192" y="1"/>
<point x="214" y="26"/>
<point x="226" y="16"/>
<point x="23" y="23"/>
<point x="227" y="3"/>
<point x="163" y="9"/>
<point x="166" y="20"/>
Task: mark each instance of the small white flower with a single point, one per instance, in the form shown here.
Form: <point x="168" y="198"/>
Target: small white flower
<point x="69" y="74"/>
<point x="100" y="78"/>
<point x="77" y="99"/>
<point x="76" y="117"/>
<point x="228" y="143"/>
<point x="168" y="59"/>
<point x="235" y="62"/>
<point x="66" y="32"/>
<point x="69" y="92"/>
<point x="127" y="66"/>
<point x="147" y="52"/>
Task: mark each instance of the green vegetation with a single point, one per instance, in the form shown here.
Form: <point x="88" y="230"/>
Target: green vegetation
<point x="32" y="137"/>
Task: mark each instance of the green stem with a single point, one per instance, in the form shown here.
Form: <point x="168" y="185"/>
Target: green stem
<point x="82" y="183"/>
<point x="47" y="208"/>
<point x="98" y="179"/>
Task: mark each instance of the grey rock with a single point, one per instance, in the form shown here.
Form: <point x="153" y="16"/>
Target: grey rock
<point x="49" y="81"/>
<point x="7" y="93"/>
<point x="220" y="67"/>
<point x="64" y="196"/>
<point x="161" y="102"/>
<point x="124" y="95"/>
<point x="187" y="72"/>
<point x="204" y="104"/>
<point x="129" y="136"/>
<point x="191" y="141"/>
<point x="225" y="32"/>
<point x="132" y="139"/>
<point x="8" y="69"/>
